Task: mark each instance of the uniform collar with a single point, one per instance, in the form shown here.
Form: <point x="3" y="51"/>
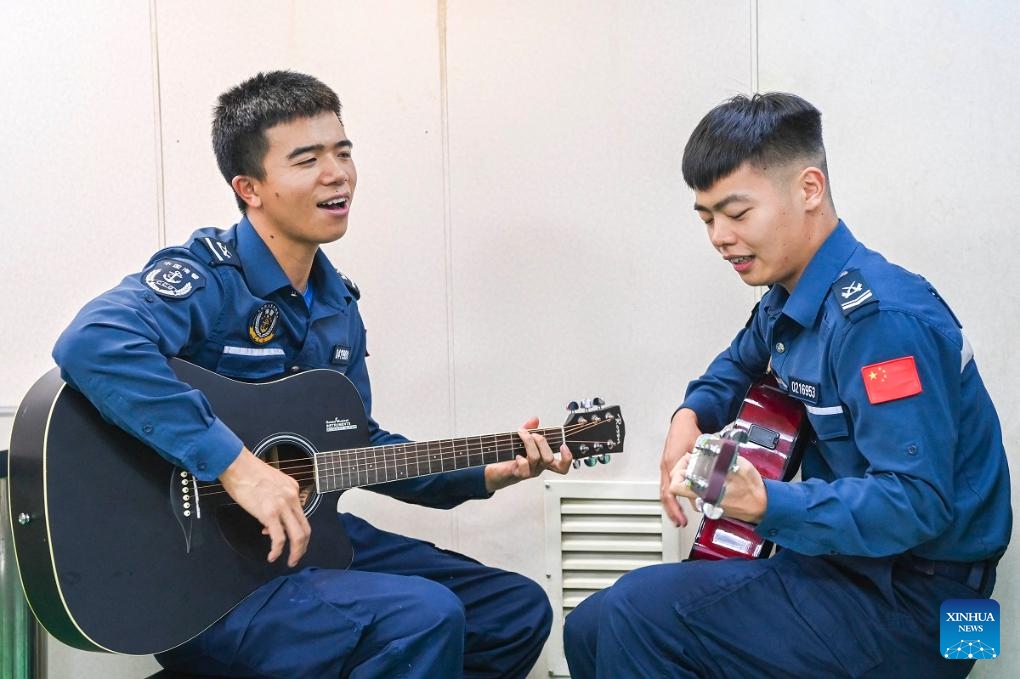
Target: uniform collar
<point x="824" y="268"/>
<point x="265" y="276"/>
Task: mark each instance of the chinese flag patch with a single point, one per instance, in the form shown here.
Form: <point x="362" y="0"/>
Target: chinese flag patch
<point x="891" y="380"/>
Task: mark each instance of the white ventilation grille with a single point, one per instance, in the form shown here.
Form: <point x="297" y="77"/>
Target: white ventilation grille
<point x="595" y="532"/>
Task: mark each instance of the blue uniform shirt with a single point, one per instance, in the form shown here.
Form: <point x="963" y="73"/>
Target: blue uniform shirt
<point x="920" y="472"/>
<point x="222" y="302"/>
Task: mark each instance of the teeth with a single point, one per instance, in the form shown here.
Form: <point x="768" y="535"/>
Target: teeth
<point x="338" y="202"/>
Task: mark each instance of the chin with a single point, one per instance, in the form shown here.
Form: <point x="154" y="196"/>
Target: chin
<point x="334" y="233"/>
<point x="752" y="281"/>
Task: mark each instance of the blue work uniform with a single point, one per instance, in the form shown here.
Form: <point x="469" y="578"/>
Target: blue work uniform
<point x="404" y="608"/>
<point x="904" y="502"/>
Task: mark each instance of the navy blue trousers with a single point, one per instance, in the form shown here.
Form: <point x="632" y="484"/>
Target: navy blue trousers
<point x="788" y="616"/>
<point x="405" y="608"/>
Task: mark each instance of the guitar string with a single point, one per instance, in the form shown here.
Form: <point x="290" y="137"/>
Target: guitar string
<point x="435" y="450"/>
<point x="305" y="476"/>
<point x="459" y="447"/>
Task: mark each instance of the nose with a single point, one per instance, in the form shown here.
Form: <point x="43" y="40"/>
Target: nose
<point x="720" y="235"/>
<point x="336" y="172"/>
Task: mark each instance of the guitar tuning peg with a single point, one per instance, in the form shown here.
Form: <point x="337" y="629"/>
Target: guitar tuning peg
<point x="586" y="404"/>
<point x="598" y="402"/>
<point x="576" y="464"/>
<point x="604" y="458"/>
<point x="590" y="461"/>
<point x="573" y="406"/>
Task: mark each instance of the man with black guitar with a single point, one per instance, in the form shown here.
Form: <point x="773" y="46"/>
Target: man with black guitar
<point x="257" y="301"/>
<point x="905" y="498"/>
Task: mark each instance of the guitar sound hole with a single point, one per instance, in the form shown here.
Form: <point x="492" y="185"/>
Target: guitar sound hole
<point x="296" y="463"/>
<point x="293" y="457"/>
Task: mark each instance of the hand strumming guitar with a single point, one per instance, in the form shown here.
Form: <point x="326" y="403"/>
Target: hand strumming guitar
<point x="745" y="497"/>
<point x="273" y="498"/>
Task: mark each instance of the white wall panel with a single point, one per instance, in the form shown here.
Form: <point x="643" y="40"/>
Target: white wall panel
<point x="579" y="266"/>
<point x="79" y="170"/>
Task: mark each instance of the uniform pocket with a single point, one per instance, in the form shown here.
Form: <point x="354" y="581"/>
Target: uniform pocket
<point x="251" y="363"/>
<point x="828" y="423"/>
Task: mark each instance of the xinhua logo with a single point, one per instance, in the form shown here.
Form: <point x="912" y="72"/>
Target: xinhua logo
<point x="970" y="629"/>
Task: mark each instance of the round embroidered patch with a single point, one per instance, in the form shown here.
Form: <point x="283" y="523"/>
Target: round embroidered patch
<point x="172" y="278"/>
<point x="263" y="323"/>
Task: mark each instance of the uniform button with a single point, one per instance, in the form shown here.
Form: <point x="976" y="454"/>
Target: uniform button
<point x="147" y="429"/>
<point x="911" y="449"/>
<point x="773" y="532"/>
<point x="295" y="368"/>
<point x="780" y="347"/>
<point x="201" y="466"/>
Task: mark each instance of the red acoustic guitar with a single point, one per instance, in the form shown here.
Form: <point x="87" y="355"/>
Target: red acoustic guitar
<point x="769" y="432"/>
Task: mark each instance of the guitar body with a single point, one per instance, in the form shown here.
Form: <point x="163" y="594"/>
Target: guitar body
<point x="121" y="551"/>
<point x="776" y="428"/>
<point x="110" y="560"/>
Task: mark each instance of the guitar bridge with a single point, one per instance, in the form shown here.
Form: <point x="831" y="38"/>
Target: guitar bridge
<point x="184" y="501"/>
<point x="189" y="495"/>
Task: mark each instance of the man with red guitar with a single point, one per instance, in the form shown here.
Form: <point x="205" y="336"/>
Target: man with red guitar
<point x="905" y="498"/>
<point x="254" y="302"/>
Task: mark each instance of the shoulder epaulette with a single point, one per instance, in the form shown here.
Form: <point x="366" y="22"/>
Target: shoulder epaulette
<point x="936" y="295"/>
<point x="215" y="252"/>
<point x="351" y="286"/>
<point x="854" y="295"/>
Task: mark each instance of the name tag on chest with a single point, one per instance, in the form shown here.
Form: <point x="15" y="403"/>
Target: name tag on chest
<point x="341" y="355"/>
<point x="804" y="390"/>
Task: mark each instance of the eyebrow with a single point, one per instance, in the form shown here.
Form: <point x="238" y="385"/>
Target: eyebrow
<point x="315" y="148"/>
<point x="732" y="198"/>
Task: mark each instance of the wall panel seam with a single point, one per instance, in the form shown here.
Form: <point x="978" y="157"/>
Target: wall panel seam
<point x="157" y="114"/>
<point x="444" y="136"/>
<point x="754" y="45"/>
<point x="444" y="105"/>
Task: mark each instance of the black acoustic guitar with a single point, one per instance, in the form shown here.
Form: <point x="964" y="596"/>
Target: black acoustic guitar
<point x="121" y="551"/>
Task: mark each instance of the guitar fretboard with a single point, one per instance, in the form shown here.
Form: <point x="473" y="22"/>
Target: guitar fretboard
<point x="354" y="467"/>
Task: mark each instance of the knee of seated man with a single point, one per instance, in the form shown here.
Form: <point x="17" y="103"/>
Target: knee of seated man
<point x="582" y="623"/>
<point x="633" y="591"/>
<point x="534" y="603"/>
<point x="434" y="606"/>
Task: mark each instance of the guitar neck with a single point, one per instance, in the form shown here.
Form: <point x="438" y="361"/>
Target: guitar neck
<point x="354" y="467"/>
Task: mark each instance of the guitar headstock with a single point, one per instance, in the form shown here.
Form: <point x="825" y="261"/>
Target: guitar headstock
<point x="593" y="431"/>
<point x="713" y="457"/>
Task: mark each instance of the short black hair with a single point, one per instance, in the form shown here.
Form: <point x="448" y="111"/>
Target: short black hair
<point x="243" y="114"/>
<point x="765" y="130"/>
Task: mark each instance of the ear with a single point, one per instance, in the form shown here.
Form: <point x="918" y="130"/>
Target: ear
<point x="247" y="188"/>
<point x="812" y="186"/>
